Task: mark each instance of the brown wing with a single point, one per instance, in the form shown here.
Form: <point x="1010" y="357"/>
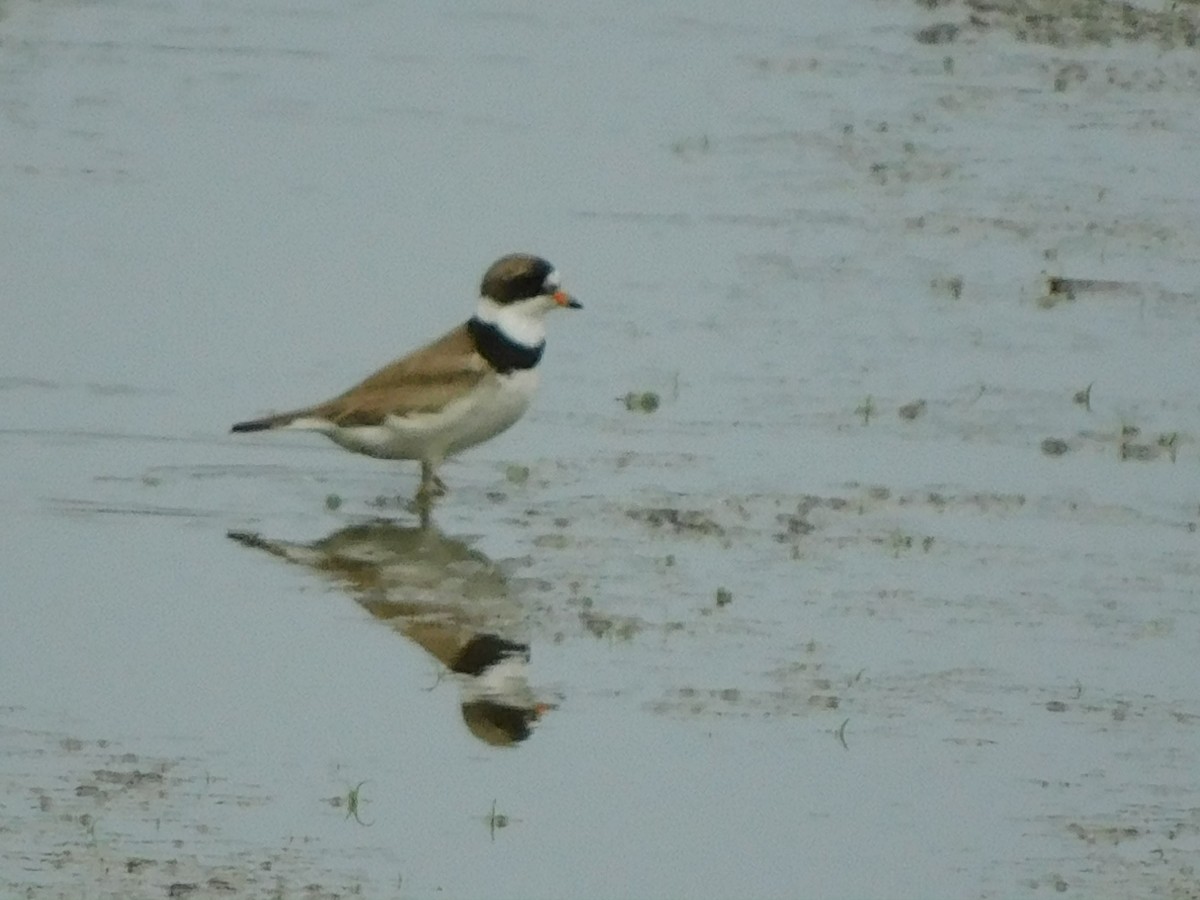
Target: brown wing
<point x="424" y="381"/>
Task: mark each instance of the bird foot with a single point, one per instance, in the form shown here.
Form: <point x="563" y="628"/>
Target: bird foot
<point x="431" y="488"/>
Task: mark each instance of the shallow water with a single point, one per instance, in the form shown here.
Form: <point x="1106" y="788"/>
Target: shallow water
<point x="784" y="640"/>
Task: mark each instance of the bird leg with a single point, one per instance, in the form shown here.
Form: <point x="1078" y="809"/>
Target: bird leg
<point x="431" y="486"/>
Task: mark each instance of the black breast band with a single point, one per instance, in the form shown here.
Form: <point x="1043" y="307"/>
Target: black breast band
<point x="502" y="352"/>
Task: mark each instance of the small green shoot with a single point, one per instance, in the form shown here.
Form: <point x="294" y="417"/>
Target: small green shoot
<point x="641" y="401"/>
<point x="840" y="734"/>
<point x="1084" y="397"/>
<point x="866" y="409"/>
<point x="1169" y="442"/>
<point x="352" y="804"/>
<point x="898" y="542"/>
<point x="496" y="821"/>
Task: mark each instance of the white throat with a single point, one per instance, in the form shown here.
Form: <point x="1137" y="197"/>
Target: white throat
<point x="522" y="322"/>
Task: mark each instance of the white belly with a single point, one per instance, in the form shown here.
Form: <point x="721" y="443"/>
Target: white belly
<point x="491" y="407"/>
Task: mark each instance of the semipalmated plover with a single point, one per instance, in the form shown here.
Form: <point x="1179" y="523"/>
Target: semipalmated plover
<point x="467" y="386"/>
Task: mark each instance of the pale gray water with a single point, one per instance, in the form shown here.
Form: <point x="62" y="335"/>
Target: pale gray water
<point x="213" y="209"/>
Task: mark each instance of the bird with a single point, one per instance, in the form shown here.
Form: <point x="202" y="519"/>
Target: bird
<point x="459" y="390"/>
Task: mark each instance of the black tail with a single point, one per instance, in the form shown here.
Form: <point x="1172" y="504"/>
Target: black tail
<point x="262" y="424"/>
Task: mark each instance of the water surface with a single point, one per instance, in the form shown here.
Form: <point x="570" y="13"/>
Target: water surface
<point x="784" y="639"/>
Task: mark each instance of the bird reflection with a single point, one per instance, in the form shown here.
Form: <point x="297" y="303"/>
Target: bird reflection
<point x="451" y="600"/>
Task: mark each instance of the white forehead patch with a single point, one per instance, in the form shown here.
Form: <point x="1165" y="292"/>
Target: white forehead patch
<point x="552" y="282"/>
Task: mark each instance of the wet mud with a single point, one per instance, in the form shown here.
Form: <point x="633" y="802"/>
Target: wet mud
<point x="849" y="548"/>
